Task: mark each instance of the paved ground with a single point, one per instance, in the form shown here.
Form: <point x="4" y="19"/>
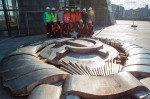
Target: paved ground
<point x="122" y="30"/>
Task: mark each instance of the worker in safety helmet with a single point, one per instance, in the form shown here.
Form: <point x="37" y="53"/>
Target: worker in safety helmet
<point x="47" y="20"/>
<point x="54" y="15"/>
<point x="91" y="15"/>
<point x="66" y="17"/>
<point x="81" y="29"/>
<point x="55" y="30"/>
<point x="73" y="16"/>
<point x="89" y="29"/>
<point x="63" y="29"/>
<point x="84" y="16"/>
<point x="78" y="17"/>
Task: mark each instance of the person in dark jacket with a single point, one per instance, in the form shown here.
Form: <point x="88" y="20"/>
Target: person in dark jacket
<point x="84" y="16"/>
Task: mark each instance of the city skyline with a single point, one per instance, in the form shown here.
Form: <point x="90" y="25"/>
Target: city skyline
<point x="131" y="4"/>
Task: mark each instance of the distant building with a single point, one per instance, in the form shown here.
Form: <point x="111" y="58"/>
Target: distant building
<point x="118" y="10"/>
<point x="139" y="13"/>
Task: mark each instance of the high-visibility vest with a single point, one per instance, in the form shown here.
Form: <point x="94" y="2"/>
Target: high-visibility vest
<point x="62" y="28"/>
<point x="65" y="17"/>
<point x="70" y="27"/>
<point x="54" y="17"/>
<point x="80" y="28"/>
<point x="55" y="28"/>
<point x="73" y="17"/>
<point x="78" y="16"/>
<point x="48" y="17"/>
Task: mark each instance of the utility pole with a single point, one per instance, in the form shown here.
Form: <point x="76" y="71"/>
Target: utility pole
<point x="133" y="13"/>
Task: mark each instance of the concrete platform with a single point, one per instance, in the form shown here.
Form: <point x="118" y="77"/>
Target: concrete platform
<point x="122" y="30"/>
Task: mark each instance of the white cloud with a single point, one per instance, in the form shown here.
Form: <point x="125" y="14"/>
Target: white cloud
<point x="131" y="4"/>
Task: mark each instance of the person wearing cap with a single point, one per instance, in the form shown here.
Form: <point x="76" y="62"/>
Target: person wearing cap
<point x="89" y="29"/>
<point x="73" y="16"/>
<point x="78" y="17"/>
<point x="60" y="15"/>
<point x="55" y="30"/>
<point x="81" y="29"/>
<point x="62" y="29"/>
<point x="47" y="20"/>
<point x="91" y="15"/>
<point x="66" y="17"/>
<point x="54" y="14"/>
<point x="84" y="16"/>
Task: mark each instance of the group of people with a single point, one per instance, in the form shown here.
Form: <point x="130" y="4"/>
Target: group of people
<point x="62" y="24"/>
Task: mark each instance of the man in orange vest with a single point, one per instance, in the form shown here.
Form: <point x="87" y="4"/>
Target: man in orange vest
<point x="66" y="17"/>
<point x="63" y="29"/>
<point x="78" y="17"/>
<point x="73" y="16"/>
<point x="81" y="29"/>
<point x="89" y="29"/>
<point x="55" y="30"/>
<point x="70" y="26"/>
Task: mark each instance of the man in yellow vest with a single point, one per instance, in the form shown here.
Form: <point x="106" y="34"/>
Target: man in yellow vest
<point x="47" y="21"/>
<point x="54" y="15"/>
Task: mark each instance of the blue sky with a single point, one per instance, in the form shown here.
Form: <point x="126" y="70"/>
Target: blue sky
<point x="129" y="4"/>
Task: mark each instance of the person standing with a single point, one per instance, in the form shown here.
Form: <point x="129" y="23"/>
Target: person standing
<point x="66" y="17"/>
<point x="91" y="15"/>
<point x="78" y="17"/>
<point x="73" y="16"/>
<point x="60" y="15"/>
<point x="84" y="16"/>
<point x="54" y="15"/>
<point x="47" y="21"/>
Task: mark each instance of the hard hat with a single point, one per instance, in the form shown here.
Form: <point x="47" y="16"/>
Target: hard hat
<point x="55" y="21"/>
<point x="89" y="21"/>
<point x="61" y="22"/>
<point x="60" y="8"/>
<point x="90" y="8"/>
<point x="78" y="8"/>
<point x="84" y="9"/>
<point x="67" y="9"/>
<point x="72" y="10"/>
<point x="47" y="8"/>
<point x="53" y="8"/>
<point x="81" y="21"/>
